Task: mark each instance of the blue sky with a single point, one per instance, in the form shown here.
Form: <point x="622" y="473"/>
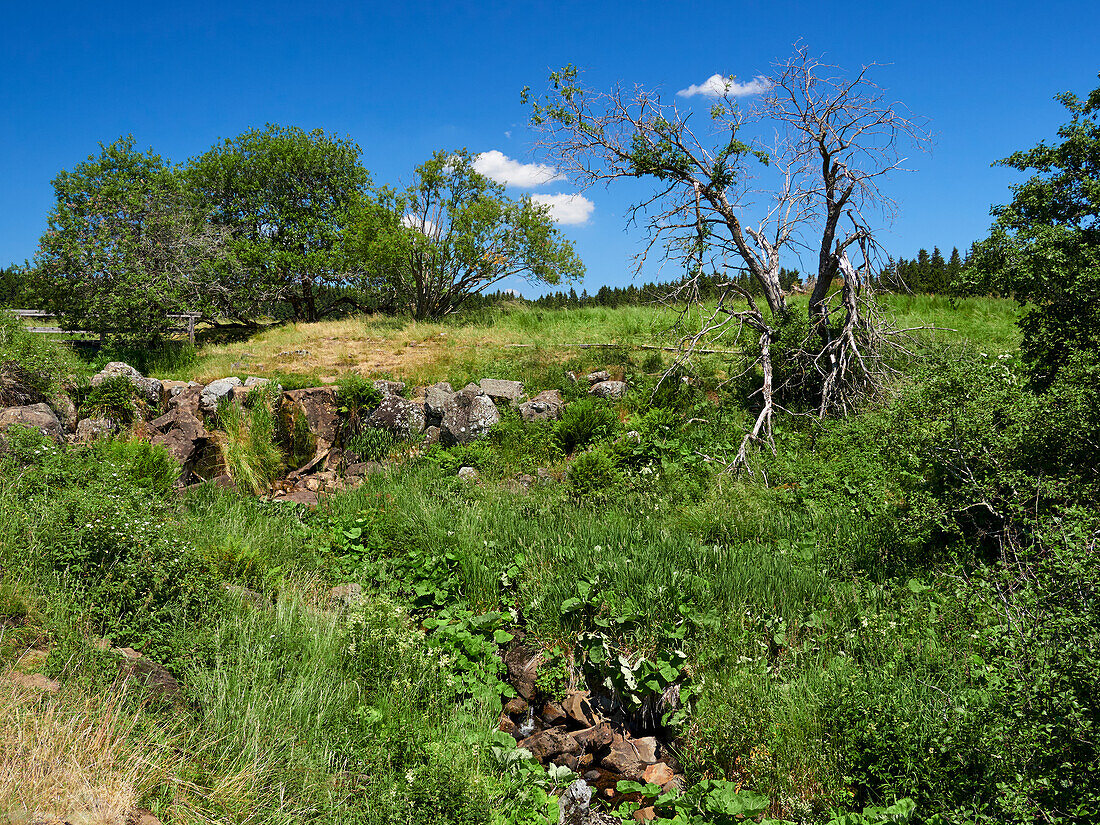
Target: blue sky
<point x="406" y="79"/>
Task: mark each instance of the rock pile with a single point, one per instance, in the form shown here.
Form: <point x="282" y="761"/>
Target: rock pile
<point x="180" y="416"/>
<point x="581" y="734"/>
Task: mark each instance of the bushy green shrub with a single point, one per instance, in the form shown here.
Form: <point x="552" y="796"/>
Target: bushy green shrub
<point x="356" y="398"/>
<point x="147" y="465"/>
<point x="592" y="473"/>
<point x="115" y="398"/>
<point x="45" y="361"/>
<point x="583" y="422"/>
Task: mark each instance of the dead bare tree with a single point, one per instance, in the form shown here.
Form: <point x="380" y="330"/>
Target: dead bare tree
<point x="833" y="138"/>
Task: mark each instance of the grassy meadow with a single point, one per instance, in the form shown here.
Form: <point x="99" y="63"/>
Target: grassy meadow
<point x="840" y="635"/>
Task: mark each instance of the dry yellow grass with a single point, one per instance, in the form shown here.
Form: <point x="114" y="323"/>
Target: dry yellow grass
<point x="424" y="352"/>
<point x="73" y="759"/>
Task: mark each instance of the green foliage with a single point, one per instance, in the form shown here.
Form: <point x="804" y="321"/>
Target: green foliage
<point x="593" y="473"/>
<point x="120" y="234"/>
<point x="453" y="233"/>
<point x="583" y="422"/>
<point x="356" y="397"/>
<point x="372" y="444"/>
<point x="41" y="362"/>
<point x="247" y="440"/>
<point x="1045" y="247"/>
<point x="115" y="398"/>
<point x="103" y="533"/>
<point x="285" y="197"/>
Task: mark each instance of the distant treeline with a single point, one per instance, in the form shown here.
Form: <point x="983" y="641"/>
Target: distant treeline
<point x="928" y="272"/>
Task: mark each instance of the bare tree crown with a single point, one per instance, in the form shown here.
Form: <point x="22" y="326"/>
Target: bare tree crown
<point x="814" y="186"/>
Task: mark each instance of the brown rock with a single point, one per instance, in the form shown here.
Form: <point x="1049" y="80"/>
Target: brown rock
<point x="36" y="417"/>
<point x="596" y="737"/>
<point x="552" y="714"/>
<point x="506" y="725"/>
<point x="141" y="816"/>
<point x="318" y="406"/>
<point x="658" y="773"/>
<point x="677" y="783"/>
<point x="578" y="708"/>
<point x="150" y="677"/>
<point x="516" y="707"/>
<point x="35" y="681"/>
<point x="630" y="757"/>
<point x="645" y="814"/>
<point x="550" y="743"/>
<point x="523" y="669"/>
<point x="181" y="432"/>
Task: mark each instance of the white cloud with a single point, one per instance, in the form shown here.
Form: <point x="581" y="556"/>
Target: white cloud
<point x="568" y="209"/>
<point x="513" y="292"/>
<point x="508" y="134"/>
<point x="425" y="226"/>
<point x="717" y="85"/>
<point x="501" y="168"/>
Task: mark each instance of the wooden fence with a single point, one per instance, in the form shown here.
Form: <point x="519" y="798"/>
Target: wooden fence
<point x="190" y="317"/>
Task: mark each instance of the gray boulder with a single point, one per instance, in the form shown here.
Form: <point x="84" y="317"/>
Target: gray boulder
<point x="90" y="429"/>
<point x="36" y="417"/>
<point x="182" y="433"/>
<point x="546" y="406"/>
<point x="468" y="473"/>
<point x="253" y="381"/>
<point x="149" y="389"/>
<point x="400" y="416"/>
<point x="435" y="398"/>
<point x="66" y="412"/>
<point x="598" y="376"/>
<point x="388" y="388"/>
<point x="498" y="390"/>
<point x="608" y="389"/>
<point x="467" y="415"/>
<point x="217" y="391"/>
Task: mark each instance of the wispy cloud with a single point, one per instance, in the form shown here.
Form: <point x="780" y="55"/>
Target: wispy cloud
<point x="573" y="210"/>
<point x="501" y="168"/>
<point x="718" y="85"/>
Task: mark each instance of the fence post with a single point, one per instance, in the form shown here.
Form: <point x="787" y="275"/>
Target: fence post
<point x="191" y="329"/>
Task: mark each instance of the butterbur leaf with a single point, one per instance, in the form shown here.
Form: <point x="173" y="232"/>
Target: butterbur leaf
<point x="569" y="605"/>
<point x="502" y="637"/>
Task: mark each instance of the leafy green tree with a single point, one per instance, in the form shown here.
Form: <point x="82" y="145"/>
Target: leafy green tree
<point x="286" y="197"/>
<point x="124" y="246"/>
<point x="1044" y="248"/>
<point x="16" y="289"/>
<point x="453" y="234"/>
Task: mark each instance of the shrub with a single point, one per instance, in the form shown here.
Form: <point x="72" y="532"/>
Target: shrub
<point x="148" y="465"/>
<point x="583" y="422"/>
<point x="356" y="398"/>
<point x="40" y="357"/>
<point x="592" y="473"/>
<point x="116" y="398"/>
